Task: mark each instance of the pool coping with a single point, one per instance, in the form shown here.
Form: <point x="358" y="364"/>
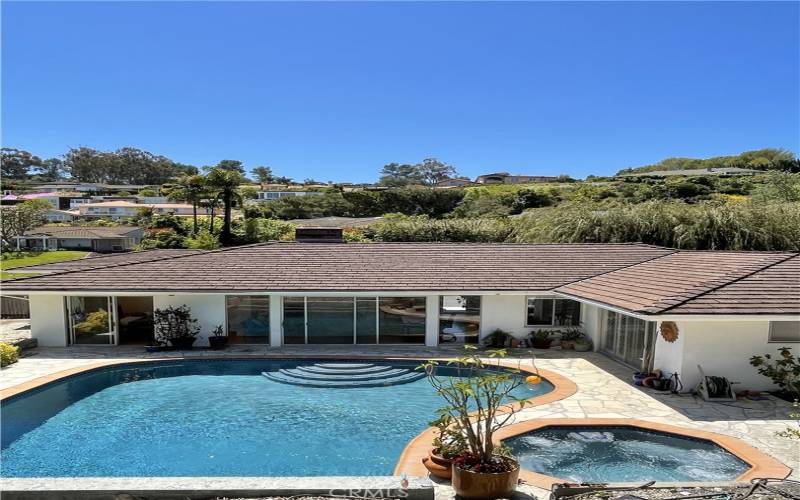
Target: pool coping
<point x="761" y="464"/>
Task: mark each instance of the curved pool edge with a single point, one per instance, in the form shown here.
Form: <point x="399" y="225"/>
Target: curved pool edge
<point x="410" y="461"/>
<point x="761" y="464"/>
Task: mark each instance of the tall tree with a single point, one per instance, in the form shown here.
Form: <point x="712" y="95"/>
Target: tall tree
<point x="225" y="185"/>
<point x="192" y="189"/>
<point x="398" y="175"/>
<point x="51" y="169"/>
<point x="18" y="219"/>
<point x="228" y="165"/>
<point x="16" y="163"/>
<point x="123" y="166"/>
<point x="263" y="174"/>
<point x="432" y="171"/>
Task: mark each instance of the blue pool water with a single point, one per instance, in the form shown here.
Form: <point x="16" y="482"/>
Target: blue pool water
<point x="212" y="418"/>
<point x="623" y="454"/>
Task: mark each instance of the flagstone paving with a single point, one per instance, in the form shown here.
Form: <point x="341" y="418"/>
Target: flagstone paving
<point x="604" y="391"/>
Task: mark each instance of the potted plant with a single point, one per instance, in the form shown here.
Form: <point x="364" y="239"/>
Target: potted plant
<point x="175" y="326"/>
<point x="479" y="402"/>
<point x="497" y="338"/>
<point x="569" y="336"/>
<point x="583" y="344"/>
<point x="218" y="339"/>
<point x="541" y="339"/>
<point x="447" y="445"/>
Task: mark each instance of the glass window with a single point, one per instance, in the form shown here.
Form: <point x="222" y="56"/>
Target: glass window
<point x="567" y="313"/>
<point x="366" y="320"/>
<point x="294" y="320"/>
<point x="402" y="320"/>
<point x="248" y="319"/>
<point x="330" y="320"/>
<point x="459" y="318"/>
<point x="90" y="320"/>
<point x="540" y="312"/>
<point x="784" y="331"/>
<point x="611" y="331"/>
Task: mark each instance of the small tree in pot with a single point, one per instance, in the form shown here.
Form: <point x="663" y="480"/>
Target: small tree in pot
<point x="218" y="339"/>
<point x="480" y="401"/>
<point x="175" y="325"/>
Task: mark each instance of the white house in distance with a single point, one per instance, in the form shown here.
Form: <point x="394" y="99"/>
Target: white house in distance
<point x="92" y="238"/>
<point x="125" y="209"/>
<point x="726" y="306"/>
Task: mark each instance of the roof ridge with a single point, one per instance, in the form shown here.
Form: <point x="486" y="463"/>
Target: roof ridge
<point x="673" y="252"/>
<point x="727" y="283"/>
<point x="123" y="264"/>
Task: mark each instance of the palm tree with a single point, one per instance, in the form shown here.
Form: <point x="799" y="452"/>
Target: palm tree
<point x="191" y="188"/>
<point x="224" y="184"/>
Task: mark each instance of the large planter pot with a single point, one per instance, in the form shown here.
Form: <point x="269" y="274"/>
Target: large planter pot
<point x="567" y="344"/>
<point x="218" y="342"/>
<point x="182" y="343"/>
<point x="541" y="343"/>
<point x="480" y="485"/>
<point x="583" y="347"/>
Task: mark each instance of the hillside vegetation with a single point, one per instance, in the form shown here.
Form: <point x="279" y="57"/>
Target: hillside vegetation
<point x="760" y="159"/>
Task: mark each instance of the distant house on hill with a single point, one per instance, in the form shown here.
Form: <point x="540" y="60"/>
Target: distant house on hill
<point x="723" y="171"/>
<point x="115" y="210"/>
<point x="506" y="178"/>
<point x="454" y="183"/>
<point x="95" y="239"/>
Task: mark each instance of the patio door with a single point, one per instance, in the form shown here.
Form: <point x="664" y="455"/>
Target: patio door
<point x="630" y="340"/>
<point x="91" y="320"/>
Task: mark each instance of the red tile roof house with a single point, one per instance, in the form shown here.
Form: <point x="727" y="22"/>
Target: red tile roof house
<point x="727" y="306"/>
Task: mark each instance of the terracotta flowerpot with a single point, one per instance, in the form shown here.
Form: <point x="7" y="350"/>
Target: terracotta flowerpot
<point x="567" y="344"/>
<point x="438" y="466"/>
<point x="479" y="485"/>
<point x="541" y="343"/>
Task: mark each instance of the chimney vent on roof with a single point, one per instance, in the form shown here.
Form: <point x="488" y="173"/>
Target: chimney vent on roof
<point x="318" y="235"/>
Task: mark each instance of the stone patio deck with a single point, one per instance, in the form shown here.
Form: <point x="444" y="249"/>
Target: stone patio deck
<point x="604" y="391"/>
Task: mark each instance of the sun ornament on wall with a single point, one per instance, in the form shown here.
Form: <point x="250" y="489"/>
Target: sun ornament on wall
<point x="669" y="330"/>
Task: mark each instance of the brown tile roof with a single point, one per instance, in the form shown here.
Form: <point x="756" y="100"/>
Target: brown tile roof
<point x="358" y="267"/>
<point x="97" y="261"/>
<point x="774" y="290"/>
<point x="683" y="282"/>
<point x="84" y="232"/>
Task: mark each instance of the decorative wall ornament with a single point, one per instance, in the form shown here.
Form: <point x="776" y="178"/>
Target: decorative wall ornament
<point x="669" y="330"/>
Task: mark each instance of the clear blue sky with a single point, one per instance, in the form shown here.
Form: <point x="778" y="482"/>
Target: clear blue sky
<point x="334" y="91"/>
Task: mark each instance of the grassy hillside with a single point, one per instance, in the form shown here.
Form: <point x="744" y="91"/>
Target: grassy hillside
<point x="760" y="159"/>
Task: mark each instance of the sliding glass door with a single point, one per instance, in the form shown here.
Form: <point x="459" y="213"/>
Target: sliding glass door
<point x="354" y="320"/>
<point x="91" y="321"/>
<point x="630" y="340"/>
<point x="330" y="320"/>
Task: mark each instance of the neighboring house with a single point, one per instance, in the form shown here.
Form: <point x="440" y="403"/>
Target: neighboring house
<point x="115" y="210"/>
<point x="59" y="216"/>
<point x="58" y="200"/>
<point x="648" y="307"/>
<point x="726" y="171"/>
<point x="276" y="195"/>
<point x="95" y="239"/>
<point x="506" y="178"/>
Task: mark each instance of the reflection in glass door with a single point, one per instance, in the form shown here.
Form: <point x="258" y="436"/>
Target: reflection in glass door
<point x="294" y="320"/>
<point x="629" y="339"/>
<point x="330" y="320"/>
<point x="91" y="321"/>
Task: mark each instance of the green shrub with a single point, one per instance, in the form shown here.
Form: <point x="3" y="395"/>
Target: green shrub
<point x="425" y="229"/>
<point x="8" y="354"/>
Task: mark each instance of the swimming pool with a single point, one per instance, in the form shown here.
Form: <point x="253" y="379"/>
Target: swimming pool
<point x="213" y="418"/>
<point x="623" y="454"/>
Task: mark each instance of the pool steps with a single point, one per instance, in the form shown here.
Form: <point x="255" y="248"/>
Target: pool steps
<point x="335" y="375"/>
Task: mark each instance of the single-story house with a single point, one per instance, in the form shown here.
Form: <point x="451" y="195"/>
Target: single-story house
<point x="276" y="195"/>
<point x="648" y="307"/>
<point x="506" y="178"/>
<point x="93" y="238"/>
<point x="454" y="183"/>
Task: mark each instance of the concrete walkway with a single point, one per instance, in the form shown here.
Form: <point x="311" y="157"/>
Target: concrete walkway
<point x="604" y="391"/>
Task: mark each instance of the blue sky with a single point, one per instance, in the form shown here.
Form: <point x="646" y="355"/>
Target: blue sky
<point x="334" y="91"/>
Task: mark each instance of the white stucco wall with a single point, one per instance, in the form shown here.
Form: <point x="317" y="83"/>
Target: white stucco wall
<point x="209" y="310"/>
<point x="506" y="312"/>
<point x="48" y="320"/>
<point x="724" y="348"/>
<point x="591" y="319"/>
